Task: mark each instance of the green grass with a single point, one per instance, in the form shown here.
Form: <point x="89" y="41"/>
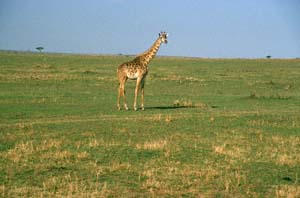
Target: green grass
<point x="211" y="128"/>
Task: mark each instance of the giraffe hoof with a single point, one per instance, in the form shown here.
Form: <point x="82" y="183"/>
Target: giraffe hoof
<point x="126" y="108"/>
<point x="143" y="109"/>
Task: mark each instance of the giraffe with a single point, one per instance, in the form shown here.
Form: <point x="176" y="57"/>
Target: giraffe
<point x="137" y="69"/>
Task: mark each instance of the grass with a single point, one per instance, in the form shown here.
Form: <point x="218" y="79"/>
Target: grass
<point x="211" y="128"/>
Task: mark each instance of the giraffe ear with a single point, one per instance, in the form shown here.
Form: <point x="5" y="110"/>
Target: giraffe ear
<point x="159" y="34"/>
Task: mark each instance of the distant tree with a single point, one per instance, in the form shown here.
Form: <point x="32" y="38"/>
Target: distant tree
<point x="268" y="57"/>
<point x="40" y="49"/>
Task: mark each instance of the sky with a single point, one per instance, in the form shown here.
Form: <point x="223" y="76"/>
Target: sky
<point x="197" y="28"/>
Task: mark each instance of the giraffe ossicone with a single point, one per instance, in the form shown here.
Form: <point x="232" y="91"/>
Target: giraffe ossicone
<point x="137" y="69"/>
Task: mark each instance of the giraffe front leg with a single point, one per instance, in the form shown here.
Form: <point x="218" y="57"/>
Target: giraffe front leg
<point x="138" y="82"/>
<point x="142" y="95"/>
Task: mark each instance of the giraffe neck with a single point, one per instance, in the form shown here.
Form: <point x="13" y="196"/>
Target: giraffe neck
<point x="148" y="55"/>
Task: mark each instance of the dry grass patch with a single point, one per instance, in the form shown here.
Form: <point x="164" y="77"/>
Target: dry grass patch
<point x="233" y="145"/>
<point x="2" y="190"/>
<point x="168" y="118"/>
<point x="284" y="150"/>
<point x="183" y="103"/>
<point x="181" y="79"/>
<point x="94" y="143"/>
<point x="59" y="155"/>
<point x="152" y="180"/>
<point x="82" y="155"/>
<point x="157" y="118"/>
<point x="284" y="159"/>
<point x="20" y="152"/>
<point x="288" y="191"/>
<point x="292" y="141"/>
<point x="152" y="145"/>
<point x="118" y="166"/>
<point x="24" y="191"/>
<point x="23" y="150"/>
<point x="189" y="104"/>
<point x="233" y="152"/>
<point x="71" y="186"/>
<point x="290" y="121"/>
<point x="49" y="144"/>
<point x="201" y="175"/>
<point x="174" y="179"/>
<point x="38" y="76"/>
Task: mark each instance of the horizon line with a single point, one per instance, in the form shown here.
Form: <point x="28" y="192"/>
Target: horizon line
<point x="133" y="55"/>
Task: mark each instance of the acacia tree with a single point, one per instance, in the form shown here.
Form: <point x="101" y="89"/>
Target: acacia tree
<point x="268" y="57"/>
<point x="40" y="49"/>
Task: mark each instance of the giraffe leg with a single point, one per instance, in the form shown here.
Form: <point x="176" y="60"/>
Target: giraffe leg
<point x="138" y="82"/>
<point x="142" y="94"/>
<point x="124" y="99"/>
<point x="122" y="93"/>
<point x="118" y="100"/>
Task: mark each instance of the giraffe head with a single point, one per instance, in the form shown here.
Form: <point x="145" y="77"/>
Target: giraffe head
<point x="163" y="37"/>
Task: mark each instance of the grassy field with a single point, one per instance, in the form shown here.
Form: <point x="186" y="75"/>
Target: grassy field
<point x="211" y="128"/>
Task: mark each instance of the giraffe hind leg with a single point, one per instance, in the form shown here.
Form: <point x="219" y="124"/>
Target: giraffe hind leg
<point x="122" y="93"/>
<point x="119" y="95"/>
<point x="124" y="99"/>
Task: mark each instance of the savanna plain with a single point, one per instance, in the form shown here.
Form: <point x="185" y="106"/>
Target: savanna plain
<point x="211" y="128"/>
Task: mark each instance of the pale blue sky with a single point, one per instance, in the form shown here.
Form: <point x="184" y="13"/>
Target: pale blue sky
<point x="200" y="28"/>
